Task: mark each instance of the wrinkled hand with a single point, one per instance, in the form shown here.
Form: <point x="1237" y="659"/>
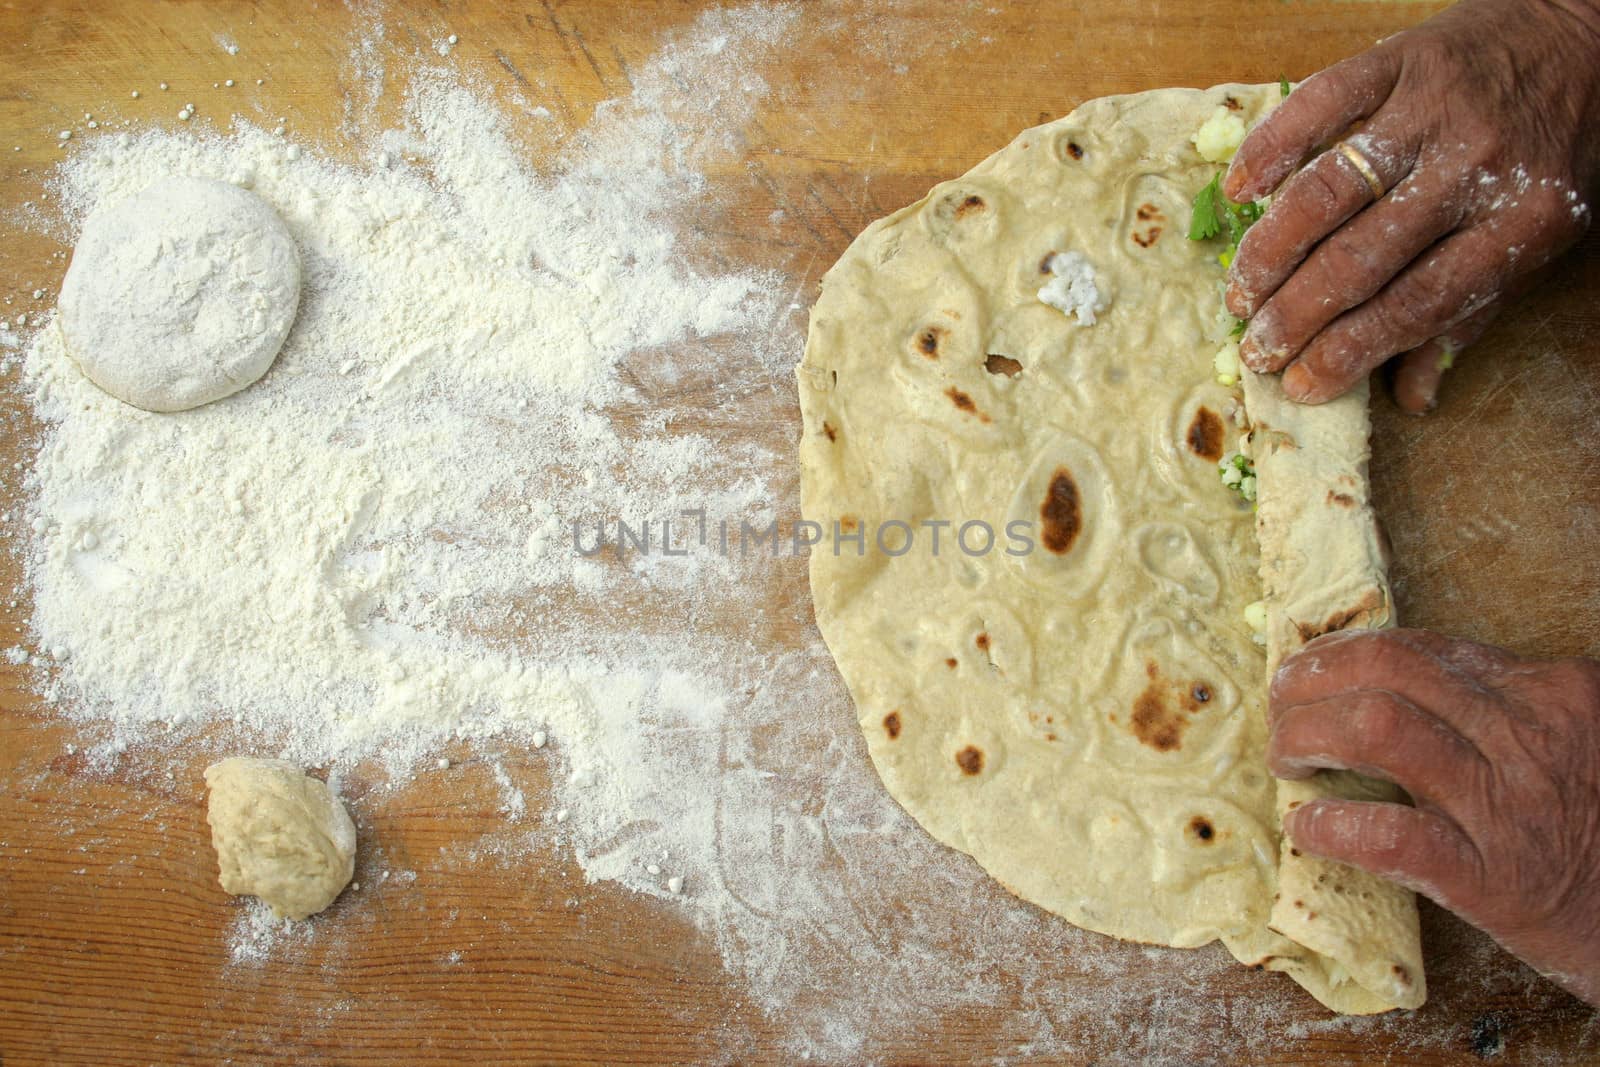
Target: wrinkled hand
<point x="1479" y="123"/>
<point x="1502" y="757"/>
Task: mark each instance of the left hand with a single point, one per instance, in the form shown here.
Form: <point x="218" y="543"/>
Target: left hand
<point x="1477" y="126"/>
<point x="1501" y="755"/>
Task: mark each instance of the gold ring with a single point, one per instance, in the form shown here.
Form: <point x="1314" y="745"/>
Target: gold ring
<point x="1364" y="168"/>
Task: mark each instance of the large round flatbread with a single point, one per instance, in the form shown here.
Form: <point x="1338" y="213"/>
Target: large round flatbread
<point x="1085" y="717"/>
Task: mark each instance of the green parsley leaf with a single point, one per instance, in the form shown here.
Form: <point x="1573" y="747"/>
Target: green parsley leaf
<point x="1213" y="211"/>
<point x="1283" y="87"/>
<point x="1240" y="217"/>
<point x="1205" y="222"/>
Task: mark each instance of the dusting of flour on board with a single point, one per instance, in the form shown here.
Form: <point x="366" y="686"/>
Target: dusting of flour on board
<point x="368" y="552"/>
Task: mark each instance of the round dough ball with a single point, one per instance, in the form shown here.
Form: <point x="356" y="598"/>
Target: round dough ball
<point x="279" y="835"/>
<point x="181" y="294"/>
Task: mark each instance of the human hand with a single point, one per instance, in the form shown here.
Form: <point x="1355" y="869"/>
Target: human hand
<point x="1502" y="757"/>
<point x="1479" y="124"/>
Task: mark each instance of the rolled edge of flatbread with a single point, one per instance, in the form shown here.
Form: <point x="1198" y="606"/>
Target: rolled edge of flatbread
<point x="1352" y="939"/>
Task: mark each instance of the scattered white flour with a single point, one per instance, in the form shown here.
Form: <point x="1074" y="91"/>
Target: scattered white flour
<point x="513" y="803"/>
<point x="368" y="553"/>
<point x="257" y="932"/>
<point x="337" y="554"/>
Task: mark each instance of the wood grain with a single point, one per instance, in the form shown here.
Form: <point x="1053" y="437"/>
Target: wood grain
<point x="480" y="946"/>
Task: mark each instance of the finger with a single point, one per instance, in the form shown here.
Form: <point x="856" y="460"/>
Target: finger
<point x="1311" y="205"/>
<point x="1417" y="372"/>
<point x="1429" y="670"/>
<point x="1320" y="107"/>
<point x="1460" y="277"/>
<point x="1482" y="664"/>
<point x="1378" y="734"/>
<point x="1351" y="265"/>
<point x="1422" y="850"/>
<point x="1417" y="378"/>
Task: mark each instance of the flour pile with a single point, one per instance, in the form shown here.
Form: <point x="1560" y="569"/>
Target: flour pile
<point x="341" y="554"/>
<point x="368" y="552"/>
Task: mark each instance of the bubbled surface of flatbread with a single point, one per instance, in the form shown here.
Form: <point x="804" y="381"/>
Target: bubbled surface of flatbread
<point x="1086" y="718"/>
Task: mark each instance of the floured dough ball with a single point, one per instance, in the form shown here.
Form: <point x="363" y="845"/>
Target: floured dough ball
<point x="181" y="294"/>
<point x="279" y="835"/>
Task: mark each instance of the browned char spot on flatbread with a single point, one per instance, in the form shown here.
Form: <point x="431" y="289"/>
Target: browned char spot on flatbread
<point x="964" y="402"/>
<point x="995" y="363"/>
<point x="1155" y="722"/>
<point x="1358" y="614"/>
<point x="970" y="760"/>
<point x="1194" y="697"/>
<point x="1148" y="213"/>
<point x="1205" y="435"/>
<point x="970" y="204"/>
<point x="1061" y="512"/>
<point x="929" y="339"/>
<point x="1165" y="709"/>
<point x="1344" y="500"/>
<point x="1074" y="150"/>
<point x="891" y="724"/>
<point x="827" y="428"/>
<point x="1202" y="829"/>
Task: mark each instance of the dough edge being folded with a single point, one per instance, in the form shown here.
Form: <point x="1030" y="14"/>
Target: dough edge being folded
<point x="1352" y="939"/>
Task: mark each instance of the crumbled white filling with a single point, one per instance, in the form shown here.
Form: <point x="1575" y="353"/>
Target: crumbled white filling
<point x="1219" y="136"/>
<point x="1227" y="365"/>
<point x="1072" y="288"/>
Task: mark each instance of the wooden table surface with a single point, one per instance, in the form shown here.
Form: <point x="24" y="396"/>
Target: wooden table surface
<point x="113" y="931"/>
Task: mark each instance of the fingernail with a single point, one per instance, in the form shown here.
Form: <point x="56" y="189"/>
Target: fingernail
<point x="1291" y="819"/>
<point x="1298" y="382"/>
<point x="1236" y="303"/>
<point x="1238" y="176"/>
<point x="1304" y="813"/>
<point x="1251" y="354"/>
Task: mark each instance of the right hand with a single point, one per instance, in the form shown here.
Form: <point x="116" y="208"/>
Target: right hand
<point x="1479" y="124"/>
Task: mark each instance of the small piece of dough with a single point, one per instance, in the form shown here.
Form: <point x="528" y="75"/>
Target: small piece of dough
<point x="279" y="834"/>
<point x="181" y="294"/>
